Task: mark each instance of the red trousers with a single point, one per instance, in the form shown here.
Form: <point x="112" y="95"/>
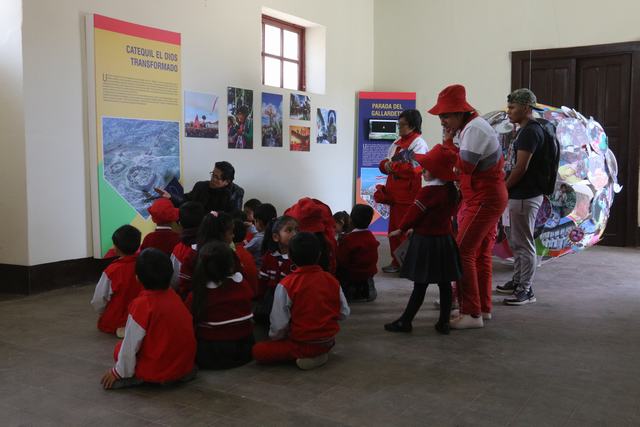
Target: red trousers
<point x="396" y="214"/>
<point x="477" y="229"/>
<point x="286" y="350"/>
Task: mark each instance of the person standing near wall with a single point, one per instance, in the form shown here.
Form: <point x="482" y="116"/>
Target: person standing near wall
<point x="403" y="177"/>
<point x="525" y="196"/>
<point x="484" y="194"/>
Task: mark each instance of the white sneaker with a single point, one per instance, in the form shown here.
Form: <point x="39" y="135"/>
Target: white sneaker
<point x="312" y="362"/>
<point x="466" y="321"/>
<point x="120" y="333"/>
<point x="486" y="316"/>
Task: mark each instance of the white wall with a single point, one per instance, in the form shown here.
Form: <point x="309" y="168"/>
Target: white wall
<point x="221" y="43"/>
<point x="13" y="198"/>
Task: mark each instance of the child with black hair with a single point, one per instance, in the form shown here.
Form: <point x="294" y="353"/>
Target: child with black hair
<point x="358" y="257"/>
<point x="249" y="209"/>
<point x="118" y="285"/>
<point x="307" y="306"/>
<point x="163" y="214"/>
<point x="343" y="224"/>
<point x="246" y="260"/>
<point x="276" y="263"/>
<point x="432" y="256"/>
<point x="221" y="307"/>
<point x="159" y="344"/>
<point x="184" y="253"/>
<point x="263" y="215"/>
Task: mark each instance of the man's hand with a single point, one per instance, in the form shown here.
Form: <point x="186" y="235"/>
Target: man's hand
<point x="162" y="193"/>
<point x="395" y="233"/>
<point x="108" y="379"/>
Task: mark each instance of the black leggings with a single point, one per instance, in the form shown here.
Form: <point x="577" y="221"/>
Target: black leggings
<point x="417" y="298"/>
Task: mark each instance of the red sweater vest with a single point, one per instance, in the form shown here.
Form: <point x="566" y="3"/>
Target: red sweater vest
<point x="162" y="239"/>
<point x="248" y="266"/>
<point x="315" y="304"/>
<point x="431" y="213"/>
<point x="187" y="257"/>
<point x="358" y="255"/>
<point x="275" y="267"/>
<point x="125" y="288"/>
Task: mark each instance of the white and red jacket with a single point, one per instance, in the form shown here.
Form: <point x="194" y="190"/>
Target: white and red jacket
<point x="307" y="306"/>
<point x="404" y="181"/>
<point x="227" y="310"/>
<point x="159" y="344"/>
<point x="117" y="287"/>
<point x="275" y="267"/>
<point x="183" y="259"/>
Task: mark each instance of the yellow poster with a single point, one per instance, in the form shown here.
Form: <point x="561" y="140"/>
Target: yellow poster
<point x="137" y="103"/>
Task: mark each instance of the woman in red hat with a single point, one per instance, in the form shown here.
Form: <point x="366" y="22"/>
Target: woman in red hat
<point x="484" y="196"/>
<point x="432" y="256"/>
<point x="403" y="177"/>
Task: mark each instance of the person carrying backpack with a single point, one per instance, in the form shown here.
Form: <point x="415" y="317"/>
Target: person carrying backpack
<point x="528" y="180"/>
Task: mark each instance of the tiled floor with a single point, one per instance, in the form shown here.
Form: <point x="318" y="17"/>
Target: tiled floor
<point x="573" y="358"/>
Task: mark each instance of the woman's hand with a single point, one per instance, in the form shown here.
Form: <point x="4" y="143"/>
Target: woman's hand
<point x="162" y="193"/>
<point x="447" y="133"/>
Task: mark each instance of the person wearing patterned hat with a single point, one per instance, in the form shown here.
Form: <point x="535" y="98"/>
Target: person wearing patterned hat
<point x="484" y="194"/>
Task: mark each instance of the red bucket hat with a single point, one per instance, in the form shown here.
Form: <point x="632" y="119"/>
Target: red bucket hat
<point x="439" y="161"/>
<point x="163" y="212"/>
<point x="312" y="216"/>
<point x="452" y="99"/>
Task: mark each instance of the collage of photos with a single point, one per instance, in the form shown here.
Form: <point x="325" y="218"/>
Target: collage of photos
<point x="201" y="115"/>
<point x="240" y="118"/>
<point x="271" y="120"/>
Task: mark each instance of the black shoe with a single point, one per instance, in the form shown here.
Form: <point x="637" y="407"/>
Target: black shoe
<point x="398" y="326"/>
<point x="521" y="297"/>
<point x="508" y="288"/>
<point x="443" y="328"/>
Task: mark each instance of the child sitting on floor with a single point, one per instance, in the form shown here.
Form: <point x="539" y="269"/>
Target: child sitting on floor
<point x="118" y="285"/>
<point x="343" y="224"/>
<point x="163" y="214"/>
<point x="249" y="210"/>
<point x="307" y="306"/>
<point x="276" y="263"/>
<point x="246" y="260"/>
<point x="183" y="257"/>
<point x="221" y="306"/>
<point x="358" y="257"/>
<point x="159" y="345"/>
<point x="263" y="215"/>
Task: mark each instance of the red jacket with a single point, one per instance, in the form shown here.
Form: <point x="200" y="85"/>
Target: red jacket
<point x="228" y="310"/>
<point x="404" y="181"/>
<point x="275" y="267"/>
<point x="114" y="292"/>
<point x="248" y="266"/>
<point x="431" y="213"/>
<point x="184" y="259"/>
<point x="358" y="255"/>
<point x="307" y="306"/>
<point x="162" y="238"/>
<point x="159" y="345"/>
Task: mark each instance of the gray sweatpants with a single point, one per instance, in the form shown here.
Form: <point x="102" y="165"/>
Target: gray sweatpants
<point x="522" y="220"/>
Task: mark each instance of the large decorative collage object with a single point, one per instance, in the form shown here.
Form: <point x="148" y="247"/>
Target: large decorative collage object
<point x="574" y="217"/>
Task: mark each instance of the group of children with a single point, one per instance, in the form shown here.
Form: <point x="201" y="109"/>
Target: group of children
<point x="191" y="300"/>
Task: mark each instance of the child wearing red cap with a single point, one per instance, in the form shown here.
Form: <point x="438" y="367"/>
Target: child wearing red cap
<point x="276" y="264"/>
<point x="432" y="256"/>
<point x="358" y="257"/>
<point x="163" y="214"/>
<point x="118" y="285"/>
<point x="307" y="306"/>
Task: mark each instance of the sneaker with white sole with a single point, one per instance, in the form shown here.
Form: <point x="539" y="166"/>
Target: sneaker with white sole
<point x="391" y="269"/>
<point x="120" y="333"/>
<point x="455" y="313"/>
<point x="486" y="316"/>
<point x="521" y="297"/>
<point x="307" y="363"/>
<point x="467" y="321"/>
<point x="508" y="288"/>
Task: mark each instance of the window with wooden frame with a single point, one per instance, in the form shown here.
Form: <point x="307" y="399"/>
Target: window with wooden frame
<point x="282" y="54"/>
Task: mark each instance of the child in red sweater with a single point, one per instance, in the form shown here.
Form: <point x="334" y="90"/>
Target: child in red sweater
<point x="276" y="263"/>
<point x="247" y="262"/>
<point x="118" y="285"/>
<point x="221" y="306"/>
<point x="358" y="257"/>
<point x="307" y="306"/>
<point x="183" y="257"/>
<point x="432" y="256"/>
<point x="158" y="346"/>
<point x="163" y="214"/>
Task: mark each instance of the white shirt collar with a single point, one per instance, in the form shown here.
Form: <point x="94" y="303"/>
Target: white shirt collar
<point x="355" y="230"/>
<point x="235" y="277"/>
<point x="163" y="227"/>
<point x="434" y="181"/>
<point x="278" y="254"/>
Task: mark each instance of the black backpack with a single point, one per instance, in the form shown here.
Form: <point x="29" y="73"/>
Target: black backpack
<point x="547" y="157"/>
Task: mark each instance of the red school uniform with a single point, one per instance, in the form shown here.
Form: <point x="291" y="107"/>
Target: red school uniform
<point x="163" y="238"/>
<point x="114" y="292"/>
<point x="227" y="313"/>
<point x="183" y="259"/>
<point x="159" y="344"/>
<point x="431" y="213"/>
<point x="358" y="255"/>
<point x="275" y="267"/>
<point x="248" y="266"/>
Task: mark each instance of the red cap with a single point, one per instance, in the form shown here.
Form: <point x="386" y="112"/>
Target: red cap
<point x="311" y="215"/>
<point x="452" y="99"/>
<point x="439" y="161"/>
<point x="163" y="212"/>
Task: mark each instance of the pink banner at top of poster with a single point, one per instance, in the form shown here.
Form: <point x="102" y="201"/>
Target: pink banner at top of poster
<point x="136" y="30"/>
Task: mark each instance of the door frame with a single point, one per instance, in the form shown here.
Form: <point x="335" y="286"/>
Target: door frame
<point x="633" y="161"/>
